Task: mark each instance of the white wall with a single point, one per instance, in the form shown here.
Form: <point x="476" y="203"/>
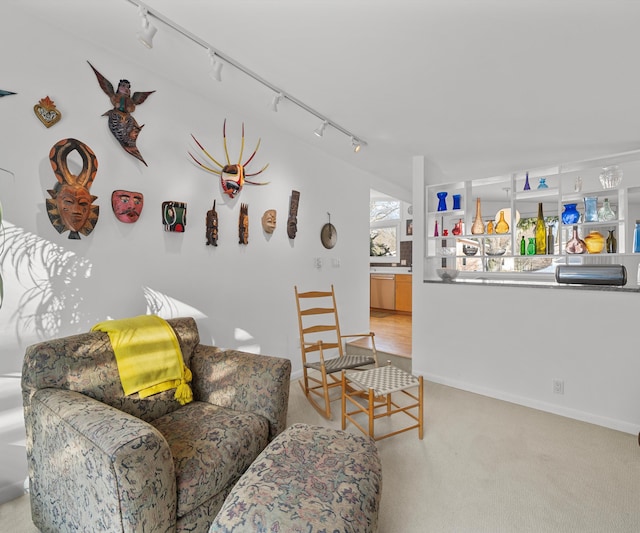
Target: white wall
<point x="242" y="296"/>
<point x="510" y="343"/>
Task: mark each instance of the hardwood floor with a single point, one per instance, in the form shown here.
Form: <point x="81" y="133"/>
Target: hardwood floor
<point x="393" y="332"/>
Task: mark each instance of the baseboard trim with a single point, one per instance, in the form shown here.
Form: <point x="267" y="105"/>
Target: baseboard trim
<point x="575" y="414"/>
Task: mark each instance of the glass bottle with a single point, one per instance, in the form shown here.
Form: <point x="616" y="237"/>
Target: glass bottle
<point x="636" y="238"/>
<point x="490" y="227"/>
<point x="435" y="230"/>
<point x="523" y="246"/>
<point x="527" y="187"/>
<point x="541" y="233"/>
<point x="531" y="247"/>
<point x="478" y="225"/>
<point x="606" y="213"/>
<point x="576" y="245"/>
<point x="612" y="242"/>
<point x="550" y="249"/>
<point x="502" y="226"/>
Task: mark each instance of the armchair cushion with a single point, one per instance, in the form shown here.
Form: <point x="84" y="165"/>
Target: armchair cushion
<point x="211" y="448"/>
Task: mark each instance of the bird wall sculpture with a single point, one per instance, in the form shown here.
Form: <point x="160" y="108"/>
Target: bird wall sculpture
<point x="122" y="125"/>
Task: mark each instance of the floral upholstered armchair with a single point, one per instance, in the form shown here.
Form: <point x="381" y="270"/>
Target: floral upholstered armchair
<point x="102" y="461"/>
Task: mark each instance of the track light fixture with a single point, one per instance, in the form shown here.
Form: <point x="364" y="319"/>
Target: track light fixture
<point x="218" y="59"/>
<point x="216" y="66"/>
<point x="319" y="131"/>
<point x="276" y="101"/>
<point x="145" y="35"/>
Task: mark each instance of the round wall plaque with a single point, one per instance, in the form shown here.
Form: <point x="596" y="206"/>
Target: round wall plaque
<point x="329" y="235"/>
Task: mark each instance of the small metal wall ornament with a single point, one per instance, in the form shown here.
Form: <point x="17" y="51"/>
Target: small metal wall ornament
<point x="212" y="226"/>
<point x="243" y="224"/>
<point x="232" y="176"/>
<point x="174" y="216"/>
<point x="5" y="93"/>
<point x="127" y="205"/>
<point x="121" y="123"/>
<point x="71" y="204"/>
<point x="47" y="112"/>
<point x="292" y="221"/>
<point x="269" y="221"/>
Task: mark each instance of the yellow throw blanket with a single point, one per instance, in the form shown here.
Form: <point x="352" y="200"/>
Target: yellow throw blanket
<point x="148" y="356"/>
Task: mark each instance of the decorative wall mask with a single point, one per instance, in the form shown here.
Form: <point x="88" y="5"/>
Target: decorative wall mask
<point x="46" y="111"/>
<point x="121" y="123"/>
<point x="269" y="220"/>
<point x="292" y="221"/>
<point x="127" y="205"/>
<point x="5" y="93"/>
<point x="212" y="226"/>
<point x="232" y="176"/>
<point x="174" y="216"/>
<point x="71" y="204"/>
<point x="243" y="224"/>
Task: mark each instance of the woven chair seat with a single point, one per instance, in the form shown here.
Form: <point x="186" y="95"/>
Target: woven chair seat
<point x="345" y="362"/>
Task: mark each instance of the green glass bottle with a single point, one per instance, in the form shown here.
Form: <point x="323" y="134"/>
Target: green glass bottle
<point x="531" y="247"/>
<point x="541" y="233"/>
<point x="523" y="246"/>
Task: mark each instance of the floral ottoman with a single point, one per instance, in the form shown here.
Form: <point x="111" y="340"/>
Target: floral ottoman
<point x="310" y="479"/>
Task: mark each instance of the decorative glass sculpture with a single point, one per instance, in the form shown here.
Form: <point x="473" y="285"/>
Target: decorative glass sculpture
<point x="570" y="215"/>
<point x="606" y="213"/>
<point x="542" y="184"/>
<point x="478" y="225"/>
<point x="527" y="187"/>
<point x="594" y="242"/>
<point x="591" y="209"/>
<point x="442" y="201"/>
<point x="610" y="177"/>
<point x="502" y="226"/>
<point x="575" y="245"/>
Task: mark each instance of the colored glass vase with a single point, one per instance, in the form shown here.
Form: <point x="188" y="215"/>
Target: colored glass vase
<point x="531" y="247"/>
<point x="527" y="187"/>
<point x="591" y="209"/>
<point x="478" y="226"/>
<point x="502" y="226"/>
<point x="570" y="215"/>
<point x="542" y="183"/>
<point x="442" y="201"/>
<point x="456" y="201"/>
<point x="575" y="245"/>
<point x="594" y="242"/>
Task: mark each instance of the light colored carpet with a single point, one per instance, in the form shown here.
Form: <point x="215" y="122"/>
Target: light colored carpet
<point x="486" y="466"/>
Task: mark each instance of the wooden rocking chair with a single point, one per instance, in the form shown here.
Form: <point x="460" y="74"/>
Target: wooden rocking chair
<point x="320" y="336"/>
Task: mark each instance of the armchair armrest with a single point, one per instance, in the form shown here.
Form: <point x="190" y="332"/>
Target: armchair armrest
<point x="91" y="463"/>
<point x="244" y="382"/>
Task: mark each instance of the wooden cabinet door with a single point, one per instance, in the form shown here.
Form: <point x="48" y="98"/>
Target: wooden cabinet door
<point x="403" y="293"/>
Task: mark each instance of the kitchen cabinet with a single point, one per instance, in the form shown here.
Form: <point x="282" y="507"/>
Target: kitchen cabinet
<point x="491" y="256"/>
<point x="403" y="293"/>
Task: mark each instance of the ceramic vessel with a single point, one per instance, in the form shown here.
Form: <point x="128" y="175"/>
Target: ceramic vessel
<point x="478" y="225"/>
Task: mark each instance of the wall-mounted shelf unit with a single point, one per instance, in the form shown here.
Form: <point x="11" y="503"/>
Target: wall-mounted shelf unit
<point x="492" y="256"/>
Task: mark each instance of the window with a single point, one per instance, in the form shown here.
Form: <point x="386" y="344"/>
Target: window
<point x="384" y="226"/>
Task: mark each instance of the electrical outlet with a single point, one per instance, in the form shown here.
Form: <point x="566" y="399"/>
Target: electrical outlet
<point x="558" y="386"/>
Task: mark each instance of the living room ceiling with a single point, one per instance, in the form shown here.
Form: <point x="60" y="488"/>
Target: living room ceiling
<point x="480" y="88"/>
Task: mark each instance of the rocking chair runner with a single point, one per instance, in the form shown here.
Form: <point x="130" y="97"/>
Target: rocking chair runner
<point x="321" y="334"/>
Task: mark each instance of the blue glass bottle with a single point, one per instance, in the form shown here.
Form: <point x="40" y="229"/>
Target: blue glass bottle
<point x="636" y="238"/>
